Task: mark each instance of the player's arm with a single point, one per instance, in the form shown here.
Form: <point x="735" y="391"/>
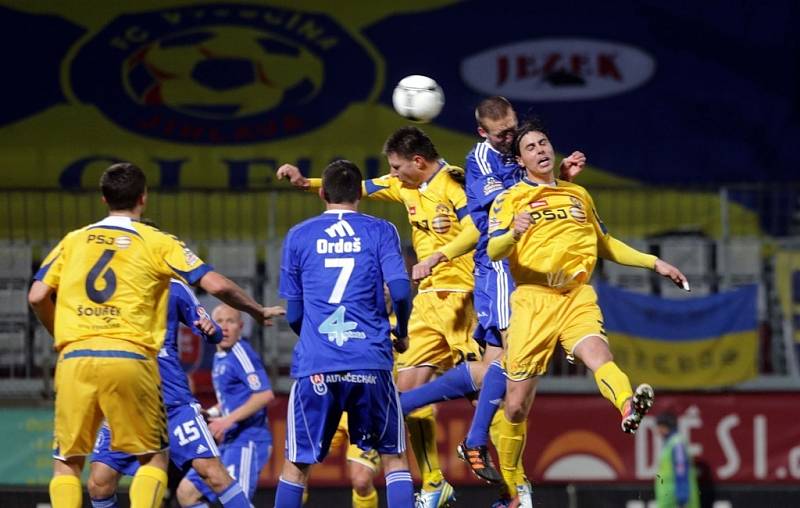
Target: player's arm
<point x="231" y="293"/>
<point x="394" y="273"/>
<point x="193" y="315"/>
<point x="41" y="297"/>
<point x="261" y="396"/>
<point x="385" y="188"/>
<point x="618" y="251"/>
<point x="506" y="227"/>
<point x="294" y="315"/>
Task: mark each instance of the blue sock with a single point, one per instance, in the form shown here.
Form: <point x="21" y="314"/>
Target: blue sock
<point x="453" y="384"/>
<point x="492" y="393"/>
<point x="289" y="495"/>
<point x="234" y="496"/>
<point x="109" y="502"/>
<point x="399" y="489"/>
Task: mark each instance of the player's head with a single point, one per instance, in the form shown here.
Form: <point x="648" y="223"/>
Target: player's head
<point x="497" y="122"/>
<point x="533" y="150"/>
<point x="124" y="187"/>
<point x="411" y="155"/>
<point x="667" y="423"/>
<point x="341" y="183"/>
<point x="230" y="320"/>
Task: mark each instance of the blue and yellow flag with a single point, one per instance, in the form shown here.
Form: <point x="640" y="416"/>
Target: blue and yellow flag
<point x="683" y="344"/>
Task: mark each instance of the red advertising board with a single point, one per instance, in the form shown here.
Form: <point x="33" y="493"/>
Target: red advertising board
<point x="741" y="438"/>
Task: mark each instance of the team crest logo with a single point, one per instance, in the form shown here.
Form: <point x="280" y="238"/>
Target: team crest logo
<point x="576" y="210"/>
<point x="222" y="73"/>
<point x="253" y="381"/>
<point x="441" y="221"/>
<point x="318" y="382"/>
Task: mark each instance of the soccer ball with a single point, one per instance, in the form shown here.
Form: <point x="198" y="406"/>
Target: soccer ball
<point x="418" y="98"/>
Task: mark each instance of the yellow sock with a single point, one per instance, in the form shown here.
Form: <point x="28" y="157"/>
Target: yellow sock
<point x="614" y="385"/>
<point x="510" y="444"/>
<point x="368" y="501"/>
<point x="66" y="491"/>
<point x="422" y="434"/>
<point x="305" y="495"/>
<point x="148" y="486"/>
<point x="494" y="434"/>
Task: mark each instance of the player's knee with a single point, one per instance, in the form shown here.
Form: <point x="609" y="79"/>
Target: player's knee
<point x="187" y="493"/>
<point x="213" y="473"/>
<point x="516" y="410"/>
<point x="361" y="478"/>
<point x="100" y="488"/>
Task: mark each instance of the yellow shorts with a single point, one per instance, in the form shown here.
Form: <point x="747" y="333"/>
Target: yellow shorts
<point x="542" y="317"/>
<point x="369" y="459"/>
<point x="122" y="385"/>
<point x="440" y="331"/>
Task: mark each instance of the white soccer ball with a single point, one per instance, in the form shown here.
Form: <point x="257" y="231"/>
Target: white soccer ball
<point x="418" y="98"/>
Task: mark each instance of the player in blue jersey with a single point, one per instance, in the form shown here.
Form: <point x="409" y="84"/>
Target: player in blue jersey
<point x="239" y="420"/>
<point x="333" y="270"/>
<point x="191" y="443"/>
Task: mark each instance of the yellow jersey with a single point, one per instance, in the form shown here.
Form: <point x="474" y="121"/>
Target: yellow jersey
<point x="561" y="246"/>
<point x="440" y="222"/>
<point x="112" y="281"/>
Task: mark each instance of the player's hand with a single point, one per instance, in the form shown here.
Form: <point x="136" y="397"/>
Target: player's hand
<point x="400" y="344"/>
<point x="522" y="221"/>
<point x="294" y="175"/>
<point x="218" y="427"/>
<point x="425" y="267"/>
<point x="572" y="166"/>
<point x="205" y="325"/>
<point x="672" y="273"/>
<point x="267" y="313"/>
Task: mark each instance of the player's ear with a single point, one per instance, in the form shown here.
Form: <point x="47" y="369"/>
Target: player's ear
<point x="323" y="195"/>
<point x="482" y="132"/>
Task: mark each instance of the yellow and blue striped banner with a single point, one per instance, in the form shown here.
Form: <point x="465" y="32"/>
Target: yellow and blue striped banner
<point x="683" y="344"/>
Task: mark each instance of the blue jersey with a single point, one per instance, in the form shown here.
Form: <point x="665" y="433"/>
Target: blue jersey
<point x="488" y="173"/>
<point x="183" y="308"/>
<point x="336" y="264"/>
<point x="238" y="373"/>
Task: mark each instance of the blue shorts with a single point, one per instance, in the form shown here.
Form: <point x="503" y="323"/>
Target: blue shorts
<point x="493" y="288"/>
<point x="189" y="439"/>
<point x="244" y="459"/>
<point x="316" y="404"/>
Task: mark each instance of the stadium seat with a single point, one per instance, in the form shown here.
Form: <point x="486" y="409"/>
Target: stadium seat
<point x="692" y="255"/>
<point x="632" y="279"/>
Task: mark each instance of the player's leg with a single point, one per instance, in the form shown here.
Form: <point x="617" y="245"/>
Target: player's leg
<point x="427" y="352"/>
<point x="585" y="339"/>
<point x="77" y="420"/>
<point x="103" y="481"/>
<point x="312" y="417"/>
<point x="462" y="380"/>
<point x="377" y="425"/>
<point x="65" y="486"/>
<point x="138" y="428"/>
<point x="362" y="477"/>
<point x="107" y="467"/>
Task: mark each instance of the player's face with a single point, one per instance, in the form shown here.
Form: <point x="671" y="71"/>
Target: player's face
<point x="407" y="170"/>
<point x="500" y="133"/>
<point x="537" y="156"/>
<point x="230" y="320"/>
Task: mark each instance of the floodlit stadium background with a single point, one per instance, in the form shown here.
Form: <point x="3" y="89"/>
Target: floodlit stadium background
<point x="688" y="115"/>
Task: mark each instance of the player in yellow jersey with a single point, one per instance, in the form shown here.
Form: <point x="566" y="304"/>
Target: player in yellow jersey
<point x="442" y="319"/>
<point x="552" y="235"/>
<point x="102" y="293"/>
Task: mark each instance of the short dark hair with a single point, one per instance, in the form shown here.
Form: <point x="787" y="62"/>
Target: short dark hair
<point x="667" y="419"/>
<point x="341" y="182"/>
<point x="493" y="108"/>
<point x="410" y="141"/>
<point x="122" y="185"/>
<point x="530" y="125"/>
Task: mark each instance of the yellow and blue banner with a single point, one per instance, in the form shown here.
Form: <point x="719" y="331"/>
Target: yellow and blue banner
<point x="682" y="344"/>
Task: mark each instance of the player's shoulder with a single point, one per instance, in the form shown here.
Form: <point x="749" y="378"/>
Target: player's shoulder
<point x="181" y="290"/>
<point x="244" y="355"/>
